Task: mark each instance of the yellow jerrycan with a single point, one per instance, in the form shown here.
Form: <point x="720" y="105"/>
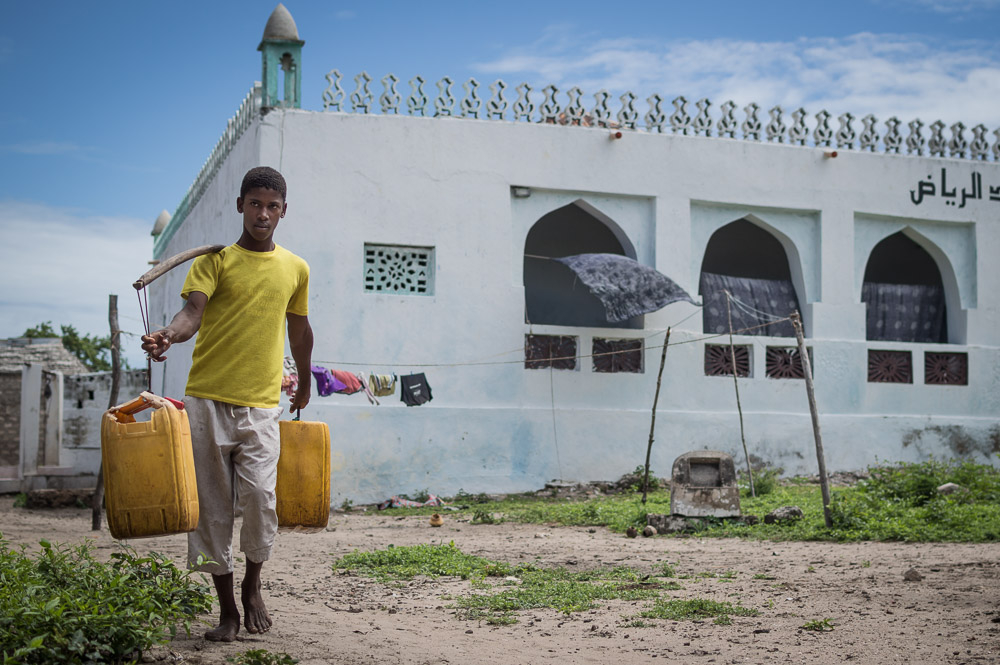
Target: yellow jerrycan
<point x="303" y="485"/>
<point x="149" y="478"/>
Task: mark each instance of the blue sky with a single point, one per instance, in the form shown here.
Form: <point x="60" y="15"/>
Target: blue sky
<point x="112" y="107"/>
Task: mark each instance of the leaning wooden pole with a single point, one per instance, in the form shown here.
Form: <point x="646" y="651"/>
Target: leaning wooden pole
<point x="824" y="483"/>
<point x="736" y="387"/>
<point x="652" y="420"/>
<point x="97" y="501"/>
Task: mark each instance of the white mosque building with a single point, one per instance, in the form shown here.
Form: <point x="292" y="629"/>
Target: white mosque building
<point x="431" y="219"/>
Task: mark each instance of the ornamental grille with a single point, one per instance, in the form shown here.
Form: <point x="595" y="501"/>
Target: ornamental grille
<point x="784" y="362"/>
<point x="617" y="355"/>
<point x="555" y="351"/>
<point x="890" y="367"/>
<point x="397" y="269"/>
<point x="946" y="369"/>
<point x="719" y="360"/>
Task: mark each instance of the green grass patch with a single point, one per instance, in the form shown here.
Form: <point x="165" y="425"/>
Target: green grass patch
<point x="497" y="601"/>
<point x="261" y="657"/>
<point x="899" y="502"/>
<point x="61" y="605"/>
<point x="405" y="563"/>
<point x="695" y="609"/>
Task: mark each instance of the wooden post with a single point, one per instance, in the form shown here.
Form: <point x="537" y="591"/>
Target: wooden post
<point x="652" y="421"/>
<point x="97" y="501"/>
<point x="736" y="387"/>
<point x="807" y="369"/>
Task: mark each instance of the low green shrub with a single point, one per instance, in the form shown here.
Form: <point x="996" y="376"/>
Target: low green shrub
<point x="61" y="605"/>
<point x="765" y="480"/>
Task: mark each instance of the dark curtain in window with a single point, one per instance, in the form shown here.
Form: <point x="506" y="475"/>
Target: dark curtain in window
<point x="904" y="312"/>
<point x="757" y="301"/>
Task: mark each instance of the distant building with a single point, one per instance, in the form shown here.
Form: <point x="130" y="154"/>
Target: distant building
<point x="430" y="218"/>
<point x="44" y="388"/>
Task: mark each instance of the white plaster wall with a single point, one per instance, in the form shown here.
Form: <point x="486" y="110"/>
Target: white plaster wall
<point x="446" y="183"/>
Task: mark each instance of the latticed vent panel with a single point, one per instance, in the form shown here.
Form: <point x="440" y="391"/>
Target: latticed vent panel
<point x="618" y="355"/>
<point x="946" y="369"/>
<point x="719" y="360"/>
<point x="544" y="351"/>
<point x="784" y="362"/>
<point x="890" y="367"/>
<point x="397" y="269"/>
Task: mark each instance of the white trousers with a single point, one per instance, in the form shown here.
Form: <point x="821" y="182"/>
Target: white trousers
<point x="236" y="452"/>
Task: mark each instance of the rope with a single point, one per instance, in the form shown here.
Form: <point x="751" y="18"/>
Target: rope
<point x="521" y="361"/>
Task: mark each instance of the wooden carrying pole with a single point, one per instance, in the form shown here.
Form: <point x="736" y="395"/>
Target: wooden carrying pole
<point x="652" y="421"/>
<point x="174" y="261"/>
<point x="97" y="501"/>
<point x="807" y="370"/>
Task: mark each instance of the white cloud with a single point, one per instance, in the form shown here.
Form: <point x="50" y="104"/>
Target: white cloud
<point x="885" y="75"/>
<point x="59" y="265"/>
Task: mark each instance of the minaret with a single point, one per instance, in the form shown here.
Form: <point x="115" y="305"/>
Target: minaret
<point x="281" y="48"/>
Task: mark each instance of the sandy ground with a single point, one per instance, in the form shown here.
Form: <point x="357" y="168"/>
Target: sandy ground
<point x="952" y="615"/>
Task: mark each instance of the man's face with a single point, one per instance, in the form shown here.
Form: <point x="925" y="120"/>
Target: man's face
<point x="262" y="208"/>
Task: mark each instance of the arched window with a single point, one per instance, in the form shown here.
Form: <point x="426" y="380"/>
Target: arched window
<point x="552" y="293"/>
<point x="751" y="264"/>
<point x="903" y="293"/>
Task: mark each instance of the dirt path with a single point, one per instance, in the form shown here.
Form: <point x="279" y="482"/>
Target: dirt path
<point x="951" y="616"/>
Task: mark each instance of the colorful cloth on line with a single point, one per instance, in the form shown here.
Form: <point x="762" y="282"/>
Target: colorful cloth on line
<point x="382" y="385"/>
<point x="414" y="389"/>
<point x="400" y="502"/>
<point x="329" y="381"/>
<point x="289" y="377"/>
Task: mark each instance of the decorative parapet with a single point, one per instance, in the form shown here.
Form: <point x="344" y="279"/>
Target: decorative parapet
<point x="235" y="127"/>
<point x="796" y="127"/>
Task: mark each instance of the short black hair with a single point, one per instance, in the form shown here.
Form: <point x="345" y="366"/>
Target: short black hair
<point x="266" y="177"/>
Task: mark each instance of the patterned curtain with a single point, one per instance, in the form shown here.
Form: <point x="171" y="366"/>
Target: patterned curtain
<point x="904" y="312"/>
<point x="755" y="303"/>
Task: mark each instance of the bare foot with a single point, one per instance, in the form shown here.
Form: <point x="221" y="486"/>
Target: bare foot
<point x="256" y="619"/>
<point x="226" y="631"/>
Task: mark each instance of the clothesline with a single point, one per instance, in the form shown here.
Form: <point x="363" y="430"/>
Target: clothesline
<point x="522" y="361"/>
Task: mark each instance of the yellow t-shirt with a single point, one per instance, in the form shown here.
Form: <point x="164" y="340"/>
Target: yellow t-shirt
<point x="240" y="347"/>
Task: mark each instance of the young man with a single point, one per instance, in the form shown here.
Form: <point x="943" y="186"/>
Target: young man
<point x="239" y="300"/>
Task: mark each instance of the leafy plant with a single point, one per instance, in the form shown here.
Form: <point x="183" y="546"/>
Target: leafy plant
<point x="21" y="500"/>
<point x="63" y="606"/>
<point x="464" y="497"/>
<point x="819" y="625"/>
<point x="262" y="657"/>
<point x="346" y="505"/>
<point x="481" y="516"/>
<point x="765" y="480"/>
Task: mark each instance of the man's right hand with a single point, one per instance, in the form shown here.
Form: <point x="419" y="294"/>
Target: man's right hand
<point x="155" y="344"/>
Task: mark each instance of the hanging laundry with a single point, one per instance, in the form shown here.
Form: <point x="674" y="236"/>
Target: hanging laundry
<point x="368" y="391"/>
<point x="382" y="385"/>
<point x="414" y="389"/>
<point x="350" y="382"/>
<point x="329" y="381"/>
<point x="289" y="377"/>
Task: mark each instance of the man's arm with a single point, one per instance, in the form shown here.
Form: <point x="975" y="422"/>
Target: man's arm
<point x="182" y="328"/>
<point x="300" y="339"/>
